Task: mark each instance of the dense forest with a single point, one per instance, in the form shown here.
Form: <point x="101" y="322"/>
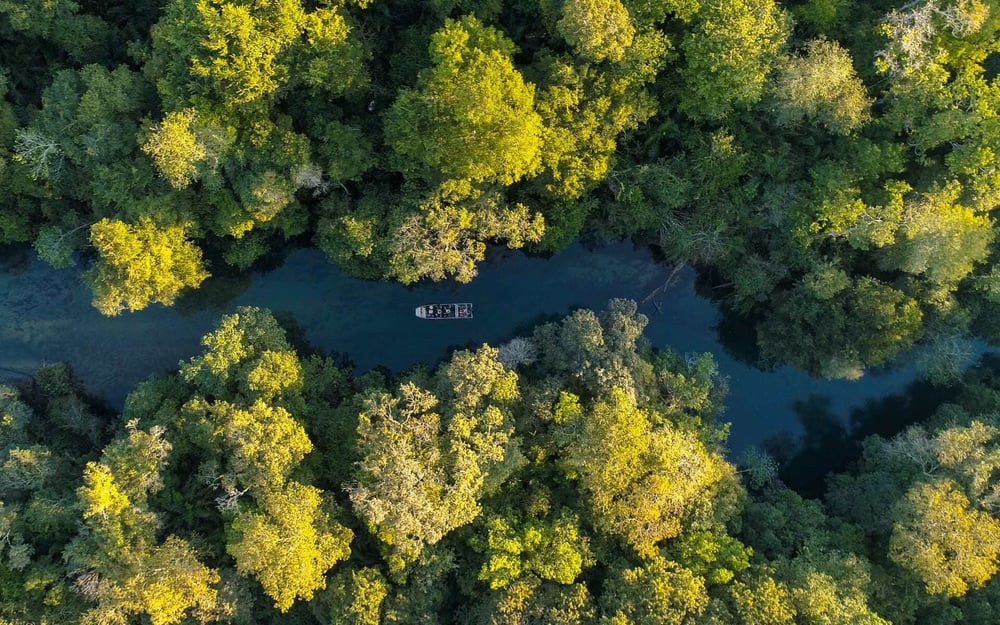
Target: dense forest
<point x="573" y="476"/>
<point x="830" y="165"/>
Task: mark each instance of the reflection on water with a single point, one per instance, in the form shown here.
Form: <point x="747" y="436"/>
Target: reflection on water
<point x="46" y="317"/>
<point x="828" y="444"/>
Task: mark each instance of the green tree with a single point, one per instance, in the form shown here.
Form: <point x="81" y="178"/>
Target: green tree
<point x="597" y="29"/>
<point x="821" y="87"/>
<point x="660" y="592"/>
<point x="141" y="264"/>
<point x="423" y="471"/>
<point x="830" y="587"/>
<point x="729" y="54"/>
<point x="471" y="115"/>
<point x="448" y="234"/>
<point x="586" y="107"/>
<point x="291" y="546"/>
<point x="530" y="600"/>
<point x="121" y="565"/>
<point x="246" y="357"/>
<point x="82" y="35"/>
<point x="763" y="601"/>
<point x="263" y="442"/>
<point x="939" y="238"/>
<point x="175" y="148"/>
<point x="642" y="476"/>
<point x="947" y="543"/>
<point x="234" y="45"/>
<point x="599" y="351"/>
<point x="355" y="596"/>
<point x="551" y="550"/>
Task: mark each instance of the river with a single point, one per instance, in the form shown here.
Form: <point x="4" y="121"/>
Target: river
<point x="46" y="317"/>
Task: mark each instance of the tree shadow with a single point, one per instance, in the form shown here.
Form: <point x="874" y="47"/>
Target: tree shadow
<point x="15" y="259"/>
<point x="992" y="66"/>
<point x="886" y="416"/>
<point x="736" y="333"/>
<point x="825" y="446"/>
<point x="830" y="444"/>
<point x="216" y="294"/>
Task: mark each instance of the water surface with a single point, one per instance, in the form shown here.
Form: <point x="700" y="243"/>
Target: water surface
<point x="46" y="317"/>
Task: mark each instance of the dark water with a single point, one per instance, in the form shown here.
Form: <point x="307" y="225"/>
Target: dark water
<point x="46" y="317"/>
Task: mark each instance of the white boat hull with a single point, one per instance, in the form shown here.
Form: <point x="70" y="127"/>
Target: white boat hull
<point x="444" y="311"/>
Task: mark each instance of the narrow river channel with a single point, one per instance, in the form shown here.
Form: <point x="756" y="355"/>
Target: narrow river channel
<point x="46" y="317"/>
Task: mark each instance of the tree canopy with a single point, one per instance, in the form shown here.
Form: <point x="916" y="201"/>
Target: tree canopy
<point x="588" y="489"/>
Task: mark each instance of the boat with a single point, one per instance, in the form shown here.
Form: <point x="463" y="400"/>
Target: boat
<point x="445" y="311"/>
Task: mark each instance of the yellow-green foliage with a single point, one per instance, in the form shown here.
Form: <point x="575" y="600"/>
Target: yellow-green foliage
<point x="141" y="264"/>
<point x="472" y="115"/>
<point x="730" y="52"/>
<point x="291" y="545"/>
<point x="821" y="87"/>
<point x="597" y="29"/>
<point x="939" y="238"/>
<point x="950" y="545"/>
<point x="175" y="149"/>
<point x="642" y="478"/>
<point x="551" y="549"/>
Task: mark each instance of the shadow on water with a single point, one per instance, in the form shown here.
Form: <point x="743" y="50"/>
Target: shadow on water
<point x="829" y="444"/>
<point x="15" y="259"/>
<point x="216" y="294"/>
<point x="736" y="332"/>
<point x="824" y="445"/>
<point x="737" y="336"/>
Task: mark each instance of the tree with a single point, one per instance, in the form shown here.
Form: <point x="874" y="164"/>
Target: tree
<point x="948" y="544"/>
<point x="530" y="600"/>
<point x="119" y="562"/>
<point x="238" y="52"/>
<point x="423" y="471"/>
<point x="598" y="351"/>
<point x="471" y="116"/>
<point x="830" y="587"/>
<point x="939" y="238"/>
<point x="168" y="584"/>
<point x="839" y="212"/>
<point x="264" y="443"/>
<point x="233" y="45"/>
<point x="246" y="357"/>
<point x="729" y="54"/>
<point x="175" y="148"/>
<point x="355" y="596"/>
<point x="597" y="29"/>
<point x="290" y="546"/>
<point x="448" y="234"/>
<point x="550" y="549"/>
<point x="141" y="264"/>
<point x="585" y="107"/>
<point x="917" y="30"/>
<point x="642" y="479"/>
<point x="401" y="482"/>
<point x="659" y="592"/>
<point x="763" y="601"/>
<point x="328" y="58"/>
<point x="83" y="36"/>
<point x="715" y="556"/>
<point x="821" y="87"/>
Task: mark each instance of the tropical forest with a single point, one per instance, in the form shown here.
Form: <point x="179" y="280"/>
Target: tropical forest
<point x="821" y="175"/>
